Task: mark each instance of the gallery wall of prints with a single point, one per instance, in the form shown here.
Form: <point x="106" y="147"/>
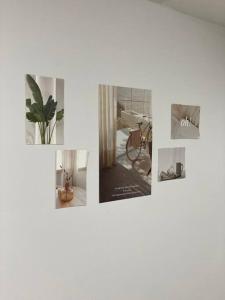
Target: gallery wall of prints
<point x="112" y="152"/>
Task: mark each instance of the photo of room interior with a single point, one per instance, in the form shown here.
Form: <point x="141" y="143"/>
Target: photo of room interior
<point x="44" y="110"/>
<point x="171" y="163"/>
<point x="71" y="176"/>
<point x="185" y="121"/>
<point x="125" y="142"/>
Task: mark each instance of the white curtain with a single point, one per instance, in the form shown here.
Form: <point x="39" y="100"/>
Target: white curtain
<point x="107" y="126"/>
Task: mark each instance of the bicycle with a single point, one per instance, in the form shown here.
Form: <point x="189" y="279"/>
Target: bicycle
<point x="139" y="139"/>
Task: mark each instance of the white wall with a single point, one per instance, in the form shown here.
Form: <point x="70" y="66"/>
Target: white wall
<point x="166" y="246"/>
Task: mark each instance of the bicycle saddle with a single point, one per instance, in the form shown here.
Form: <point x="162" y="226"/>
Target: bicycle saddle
<point x="139" y="123"/>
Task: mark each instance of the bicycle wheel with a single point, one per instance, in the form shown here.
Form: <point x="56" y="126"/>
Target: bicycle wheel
<point x="133" y="150"/>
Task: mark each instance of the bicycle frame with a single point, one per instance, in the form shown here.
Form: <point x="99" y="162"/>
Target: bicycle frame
<point x="146" y="129"/>
<point x="145" y="140"/>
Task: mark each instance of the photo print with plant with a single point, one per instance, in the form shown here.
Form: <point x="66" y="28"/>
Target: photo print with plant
<point x="44" y="110"/>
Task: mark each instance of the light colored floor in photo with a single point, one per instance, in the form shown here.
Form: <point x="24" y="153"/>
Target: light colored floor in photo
<point x="79" y="199"/>
<point x="142" y="165"/>
<point x="121" y="140"/>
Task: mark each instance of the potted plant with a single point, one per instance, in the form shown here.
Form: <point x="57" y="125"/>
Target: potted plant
<point x="66" y="194"/>
<point x="42" y="113"/>
<point x="67" y="179"/>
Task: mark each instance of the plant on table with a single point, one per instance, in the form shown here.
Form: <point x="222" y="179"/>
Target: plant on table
<point x="67" y="179"/>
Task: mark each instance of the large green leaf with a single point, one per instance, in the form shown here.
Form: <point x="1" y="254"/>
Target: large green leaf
<point x="59" y="115"/>
<point x="39" y="117"/>
<point x="31" y="117"/>
<point x="49" y="109"/>
<point x="36" y="114"/>
<point x="37" y="110"/>
<point x="28" y="103"/>
<point x="36" y="92"/>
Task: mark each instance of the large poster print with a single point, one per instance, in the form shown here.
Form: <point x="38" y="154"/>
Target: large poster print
<point x="125" y="142"/>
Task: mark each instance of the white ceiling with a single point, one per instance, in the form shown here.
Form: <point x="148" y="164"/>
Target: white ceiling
<point x="209" y="10"/>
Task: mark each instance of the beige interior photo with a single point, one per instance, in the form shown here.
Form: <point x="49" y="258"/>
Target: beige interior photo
<point x="71" y="170"/>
